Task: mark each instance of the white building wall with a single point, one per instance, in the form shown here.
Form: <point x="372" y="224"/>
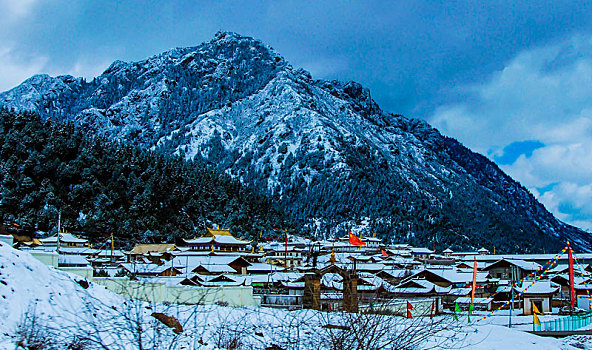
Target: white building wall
<point x="8" y="239"/>
<point x="158" y="292"/>
<point x="584" y="302"/>
<point x="48" y="258"/>
<point x="86" y="272"/>
<point x="527" y="308"/>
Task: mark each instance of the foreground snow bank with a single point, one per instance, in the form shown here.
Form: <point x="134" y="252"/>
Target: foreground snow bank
<point x="67" y="310"/>
<point x="27" y="286"/>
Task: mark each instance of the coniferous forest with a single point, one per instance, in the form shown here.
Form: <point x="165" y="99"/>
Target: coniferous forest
<point x="101" y="186"/>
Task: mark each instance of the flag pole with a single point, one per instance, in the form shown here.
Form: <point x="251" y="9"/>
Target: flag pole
<point x="286" y="251"/>
<point x="112" y="247"/>
<point x="571" y="277"/>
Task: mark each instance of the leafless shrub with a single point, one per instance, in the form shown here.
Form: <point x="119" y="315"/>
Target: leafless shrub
<point x="382" y="330"/>
<point x="34" y="333"/>
<point x="31" y="333"/>
<point x="132" y="324"/>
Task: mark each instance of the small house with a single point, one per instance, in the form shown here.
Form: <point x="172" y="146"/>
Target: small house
<point x="511" y="269"/>
<point x="540" y="294"/>
<point x="64" y="239"/>
<point x="218" y="240"/>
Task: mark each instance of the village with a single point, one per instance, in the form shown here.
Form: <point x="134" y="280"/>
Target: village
<point x="350" y="273"/>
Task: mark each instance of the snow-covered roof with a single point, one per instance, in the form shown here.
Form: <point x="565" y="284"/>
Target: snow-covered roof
<point x="420" y="250"/>
<point x="539" y="287"/>
<point x="215" y="268"/>
<point x="456" y="276"/>
<point x="151" y="248"/>
<point x="363" y="266"/>
<point x="524" y="265"/>
<point x="399" y="260"/>
<point x="480" y="265"/>
<point x="277" y="277"/>
<point x="234" y="281"/>
<point x="77" y="250"/>
<point x="263" y="267"/>
<point x="396" y="273"/>
<point x="221" y="239"/>
<point x="374" y="282"/>
<point x="401" y="246"/>
<point x="146" y="268"/>
<point x="577" y="279"/>
<point x="332" y="280"/>
<point x="503" y="289"/>
<point x="583" y="286"/>
<point x="419" y="286"/>
<point x="64" y="238"/>
<point x="459" y="291"/>
<point x="294" y="285"/>
<point x="192" y="261"/>
<point x="107" y="253"/>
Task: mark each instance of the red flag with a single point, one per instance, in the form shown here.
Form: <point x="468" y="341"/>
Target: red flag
<point x="354" y="240"/>
<point x="409" y="308"/>
<point x="433" y="311"/>
<point x="384" y="253"/>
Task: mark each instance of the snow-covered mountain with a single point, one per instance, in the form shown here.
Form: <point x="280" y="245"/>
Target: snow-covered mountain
<point x="323" y="149"/>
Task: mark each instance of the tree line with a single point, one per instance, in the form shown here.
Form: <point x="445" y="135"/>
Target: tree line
<point x="101" y="186"/>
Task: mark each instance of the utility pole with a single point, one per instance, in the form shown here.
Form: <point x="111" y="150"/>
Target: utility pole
<point x="286" y="251"/>
<point x="112" y="247"/>
<point x="512" y="279"/>
<point x="59" y="229"/>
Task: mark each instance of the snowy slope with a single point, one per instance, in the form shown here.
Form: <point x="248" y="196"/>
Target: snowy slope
<point x="323" y="149"/>
<point x="29" y="287"/>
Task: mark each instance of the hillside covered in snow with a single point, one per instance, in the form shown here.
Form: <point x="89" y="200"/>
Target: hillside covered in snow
<point x="323" y="150"/>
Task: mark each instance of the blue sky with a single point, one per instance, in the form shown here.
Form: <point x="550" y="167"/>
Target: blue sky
<point x="509" y="79"/>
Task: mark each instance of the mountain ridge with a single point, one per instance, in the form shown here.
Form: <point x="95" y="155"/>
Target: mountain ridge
<point x="322" y="149"/>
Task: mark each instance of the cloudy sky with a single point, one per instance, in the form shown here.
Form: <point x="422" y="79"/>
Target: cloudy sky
<point x="510" y="79"/>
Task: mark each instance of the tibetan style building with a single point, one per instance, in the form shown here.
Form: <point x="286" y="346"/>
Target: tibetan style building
<point x="218" y="240"/>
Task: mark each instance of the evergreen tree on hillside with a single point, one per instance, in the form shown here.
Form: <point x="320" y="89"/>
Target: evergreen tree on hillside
<point x="101" y="187"/>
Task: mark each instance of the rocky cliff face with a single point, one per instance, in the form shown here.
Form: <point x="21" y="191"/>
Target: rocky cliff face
<point x="323" y="149"/>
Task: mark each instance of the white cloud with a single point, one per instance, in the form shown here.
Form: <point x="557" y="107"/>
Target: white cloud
<point x="14" y="68"/>
<point x="16" y="9"/>
<point x="536" y="96"/>
<point x="576" y="197"/>
<point x="87" y="69"/>
<point x="543" y="94"/>
<point x="324" y="67"/>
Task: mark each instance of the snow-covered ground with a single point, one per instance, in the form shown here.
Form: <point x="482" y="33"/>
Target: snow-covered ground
<point x="39" y="302"/>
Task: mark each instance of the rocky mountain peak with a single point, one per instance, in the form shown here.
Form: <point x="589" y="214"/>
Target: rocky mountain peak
<point x="324" y="150"/>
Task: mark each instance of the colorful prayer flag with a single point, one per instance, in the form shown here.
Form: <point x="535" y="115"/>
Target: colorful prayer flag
<point x="535" y="309"/>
